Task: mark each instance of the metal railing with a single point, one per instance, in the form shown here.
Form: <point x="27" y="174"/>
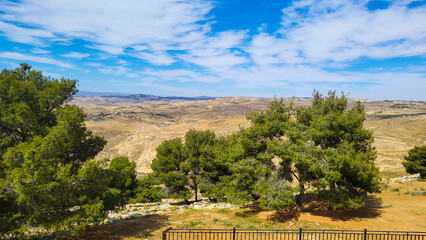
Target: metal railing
<point x="280" y="234"/>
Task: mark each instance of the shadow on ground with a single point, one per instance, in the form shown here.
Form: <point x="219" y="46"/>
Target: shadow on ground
<point x="141" y="227"/>
<point x="284" y="216"/>
<point x="372" y="209"/>
<point x="252" y="209"/>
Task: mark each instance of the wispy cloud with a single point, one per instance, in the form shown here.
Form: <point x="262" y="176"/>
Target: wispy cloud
<point x="33" y="36"/>
<point x="75" y="55"/>
<point x="315" y="31"/>
<point x="110" y="25"/>
<point x="315" y="43"/>
<point x="114" y="70"/>
<point x="40" y="51"/>
<point x="182" y="75"/>
<point x="38" y="59"/>
<point x="93" y="64"/>
<point x="155" y="58"/>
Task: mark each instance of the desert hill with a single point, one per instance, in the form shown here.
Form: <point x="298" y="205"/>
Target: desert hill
<point x="135" y="125"/>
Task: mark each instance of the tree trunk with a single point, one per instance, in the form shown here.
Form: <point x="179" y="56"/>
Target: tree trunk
<point x="332" y="187"/>
<point x="196" y="191"/>
<point x="299" y="204"/>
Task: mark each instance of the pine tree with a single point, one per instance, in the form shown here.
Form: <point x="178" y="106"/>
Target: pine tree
<point x="48" y="178"/>
<point x="416" y="161"/>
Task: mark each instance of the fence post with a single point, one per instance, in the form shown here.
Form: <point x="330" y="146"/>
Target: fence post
<point x="165" y="233"/>
<point x="365" y="234"/>
<point x="300" y="233"/>
<point x="233" y="234"/>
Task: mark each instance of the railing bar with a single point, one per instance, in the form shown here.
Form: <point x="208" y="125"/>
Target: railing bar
<point x="275" y="234"/>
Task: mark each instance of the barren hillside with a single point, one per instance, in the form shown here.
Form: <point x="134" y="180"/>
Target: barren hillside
<point x="134" y="128"/>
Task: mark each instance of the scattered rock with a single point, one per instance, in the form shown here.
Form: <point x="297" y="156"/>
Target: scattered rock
<point x="141" y="209"/>
<point x="135" y="214"/>
<point x="413" y="177"/>
<point x="198" y="207"/>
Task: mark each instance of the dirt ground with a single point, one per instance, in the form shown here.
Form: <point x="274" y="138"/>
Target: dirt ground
<point x="400" y="207"/>
<point x="135" y="130"/>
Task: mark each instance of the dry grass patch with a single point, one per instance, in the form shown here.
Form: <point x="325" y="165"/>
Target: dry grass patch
<point x="390" y="210"/>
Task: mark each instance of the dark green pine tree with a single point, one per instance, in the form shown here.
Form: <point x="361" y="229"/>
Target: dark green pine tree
<point x="171" y="169"/>
<point x="47" y="175"/>
<point x="415" y="162"/>
<point x="181" y="166"/>
<point x="324" y="148"/>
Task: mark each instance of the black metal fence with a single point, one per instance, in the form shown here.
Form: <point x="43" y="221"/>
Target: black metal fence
<point x="279" y="234"/>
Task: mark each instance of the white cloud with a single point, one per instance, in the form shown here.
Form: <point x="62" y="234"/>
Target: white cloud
<point x="132" y="75"/>
<point x="40" y="51"/>
<point x="214" y="52"/>
<point x="76" y="55"/>
<point x="114" y="70"/>
<point x="159" y="89"/>
<point x="314" y="34"/>
<point x="214" y="60"/>
<point x="182" y="75"/>
<point x="122" y="62"/>
<point x="340" y="30"/>
<point x="267" y="49"/>
<point x="23" y="57"/>
<point x="110" y="25"/>
<point x="111" y="49"/>
<point x="94" y="64"/>
<point x="24" y="35"/>
<point x="156" y="58"/>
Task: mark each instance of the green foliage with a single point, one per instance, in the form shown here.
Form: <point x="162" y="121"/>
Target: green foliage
<point x="146" y="191"/>
<point x="47" y="177"/>
<point x="276" y="193"/>
<point x="323" y="149"/>
<point x="171" y="169"/>
<point x="416" y="161"/>
<point x="180" y="167"/>
<point x="198" y="151"/>
<point x="217" y="171"/>
<point x="123" y="178"/>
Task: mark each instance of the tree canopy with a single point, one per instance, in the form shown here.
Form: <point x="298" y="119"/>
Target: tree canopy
<point x="182" y="166"/>
<point x="415" y="161"/>
<point x="287" y="151"/>
<point x="48" y="178"/>
<point x="325" y="148"/>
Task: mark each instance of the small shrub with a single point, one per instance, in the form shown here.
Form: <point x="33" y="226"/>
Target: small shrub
<point x="184" y="225"/>
<point x="251" y="226"/>
<point x="215" y="220"/>
<point x="227" y="223"/>
<point x="196" y="223"/>
<point x="395" y="189"/>
<point x="222" y="210"/>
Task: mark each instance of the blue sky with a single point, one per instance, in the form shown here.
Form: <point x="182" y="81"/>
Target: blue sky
<point x="263" y="48"/>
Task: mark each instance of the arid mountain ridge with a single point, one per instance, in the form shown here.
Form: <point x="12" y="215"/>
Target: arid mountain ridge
<point x="136" y="124"/>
